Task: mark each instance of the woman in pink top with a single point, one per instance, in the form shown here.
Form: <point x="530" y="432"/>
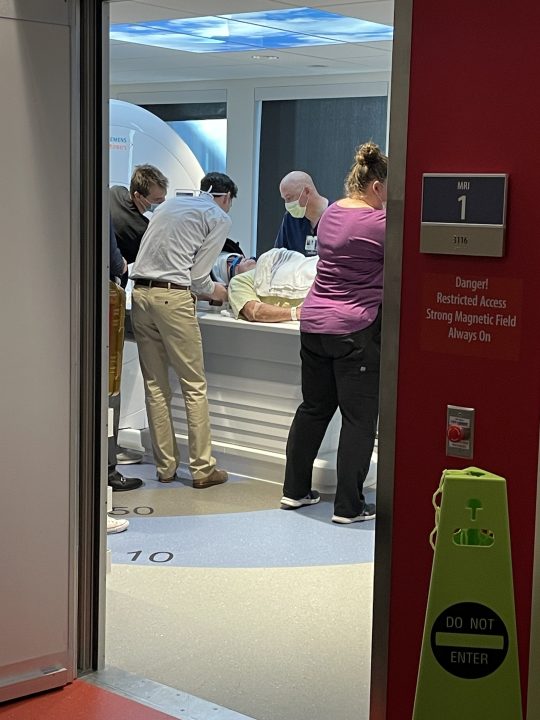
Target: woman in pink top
<point x="340" y="342"/>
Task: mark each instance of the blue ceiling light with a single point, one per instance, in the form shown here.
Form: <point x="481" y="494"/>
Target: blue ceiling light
<point x="269" y="30"/>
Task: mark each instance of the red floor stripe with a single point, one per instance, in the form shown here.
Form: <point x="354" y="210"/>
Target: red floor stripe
<point x="78" y="701"/>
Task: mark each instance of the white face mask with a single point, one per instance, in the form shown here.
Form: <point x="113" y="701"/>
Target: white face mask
<point x="218" y="194"/>
<point x="295" y="209"/>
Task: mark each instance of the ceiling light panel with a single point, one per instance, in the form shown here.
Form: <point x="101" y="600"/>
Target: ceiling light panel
<point x="270" y="30"/>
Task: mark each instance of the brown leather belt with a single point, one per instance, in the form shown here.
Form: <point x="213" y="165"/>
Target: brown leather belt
<point x="160" y="284"/>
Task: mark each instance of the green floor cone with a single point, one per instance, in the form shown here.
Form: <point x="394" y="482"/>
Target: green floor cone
<point x="469" y="661"/>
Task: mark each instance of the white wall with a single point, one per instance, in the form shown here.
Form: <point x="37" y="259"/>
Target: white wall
<point x="243" y="100"/>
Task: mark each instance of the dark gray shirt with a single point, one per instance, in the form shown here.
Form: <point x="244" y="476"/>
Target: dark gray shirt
<point x="129" y="225"/>
<point x="116" y="261"/>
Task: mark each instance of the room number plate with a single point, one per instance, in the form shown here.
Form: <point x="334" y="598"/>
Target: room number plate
<point x="463" y="214"/>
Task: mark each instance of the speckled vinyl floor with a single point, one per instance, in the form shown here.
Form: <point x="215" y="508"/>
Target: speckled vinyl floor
<point x="221" y="595"/>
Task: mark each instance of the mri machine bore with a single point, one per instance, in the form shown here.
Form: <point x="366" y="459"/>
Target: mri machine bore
<point x="252" y="369"/>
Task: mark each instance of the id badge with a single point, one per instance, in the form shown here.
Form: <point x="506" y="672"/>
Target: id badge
<point x="311" y="245"/>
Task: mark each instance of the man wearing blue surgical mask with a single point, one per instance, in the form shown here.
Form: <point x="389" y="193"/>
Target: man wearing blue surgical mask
<point x="128" y="213"/>
<point x="303" y="209"/>
<point x="147" y="190"/>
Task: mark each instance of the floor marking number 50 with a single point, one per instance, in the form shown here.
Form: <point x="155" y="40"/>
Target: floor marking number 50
<point x="141" y="510"/>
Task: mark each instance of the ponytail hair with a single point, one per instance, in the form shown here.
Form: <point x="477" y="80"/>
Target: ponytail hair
<point x="369" y="164"/>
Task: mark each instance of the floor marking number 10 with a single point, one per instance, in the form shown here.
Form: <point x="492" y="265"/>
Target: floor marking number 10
<point x="153" y="557"/>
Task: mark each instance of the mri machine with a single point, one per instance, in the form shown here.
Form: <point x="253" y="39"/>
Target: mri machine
<point x="252" y="369"/>
<point x="136" y="137"/>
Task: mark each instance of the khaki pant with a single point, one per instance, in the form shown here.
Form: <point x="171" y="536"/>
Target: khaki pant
<point x="167" y="333"/>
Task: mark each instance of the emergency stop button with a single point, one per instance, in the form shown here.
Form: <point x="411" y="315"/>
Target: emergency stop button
<point x="457" y="433"/>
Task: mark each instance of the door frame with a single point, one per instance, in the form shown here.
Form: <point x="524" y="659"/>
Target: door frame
<point x="91" y="71"/>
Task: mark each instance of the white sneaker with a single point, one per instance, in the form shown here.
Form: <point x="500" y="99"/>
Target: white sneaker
<point x="128" y="457"/>
<point x="312" y="498"/>
<point x="368" y="513"/>
<point x="116" y="525"/>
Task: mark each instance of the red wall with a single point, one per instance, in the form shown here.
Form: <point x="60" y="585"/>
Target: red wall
<point x="473" y="107"/>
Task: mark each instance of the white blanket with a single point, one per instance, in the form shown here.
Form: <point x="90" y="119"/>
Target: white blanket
<point x="284" y="273"/>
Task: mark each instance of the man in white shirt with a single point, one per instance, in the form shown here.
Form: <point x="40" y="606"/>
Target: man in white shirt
<point x="173" y="265"/>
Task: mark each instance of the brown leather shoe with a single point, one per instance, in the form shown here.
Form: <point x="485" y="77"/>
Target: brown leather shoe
<point x="168" y="480"/>
<point x="216" y="478"/>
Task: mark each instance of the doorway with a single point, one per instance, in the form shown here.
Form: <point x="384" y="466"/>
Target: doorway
<point x="158" y="593"/>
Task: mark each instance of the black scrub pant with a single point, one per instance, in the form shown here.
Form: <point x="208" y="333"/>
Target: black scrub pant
<point x="337" y="371"/>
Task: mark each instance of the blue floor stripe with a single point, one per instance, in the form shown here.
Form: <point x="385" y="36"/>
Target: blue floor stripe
<point x="267" y="538"/>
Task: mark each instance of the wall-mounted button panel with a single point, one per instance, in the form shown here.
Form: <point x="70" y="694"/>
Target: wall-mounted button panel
<point x="459" y="431"/>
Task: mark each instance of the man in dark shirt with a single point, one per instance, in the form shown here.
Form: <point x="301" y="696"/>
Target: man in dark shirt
<point x="303" y="209"/>
<point x="147" y="189"/>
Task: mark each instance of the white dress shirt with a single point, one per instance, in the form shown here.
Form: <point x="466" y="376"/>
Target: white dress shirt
<point x="182" y="242"/>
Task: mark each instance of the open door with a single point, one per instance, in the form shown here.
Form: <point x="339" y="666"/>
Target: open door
<point x="38" y="359"/>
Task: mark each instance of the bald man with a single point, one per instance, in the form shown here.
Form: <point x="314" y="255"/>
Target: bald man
<point x="303" y="209"/>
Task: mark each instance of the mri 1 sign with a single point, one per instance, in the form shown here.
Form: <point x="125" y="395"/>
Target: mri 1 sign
<point x="463" y="214"/>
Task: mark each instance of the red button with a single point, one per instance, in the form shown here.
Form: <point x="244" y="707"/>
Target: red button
<point x="456" y="433"/>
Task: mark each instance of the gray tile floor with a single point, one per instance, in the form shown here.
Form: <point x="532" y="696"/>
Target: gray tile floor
<point x="236" y="606"/>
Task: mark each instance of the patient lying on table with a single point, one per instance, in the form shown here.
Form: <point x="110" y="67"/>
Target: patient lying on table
<point x="274" y="290"/>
